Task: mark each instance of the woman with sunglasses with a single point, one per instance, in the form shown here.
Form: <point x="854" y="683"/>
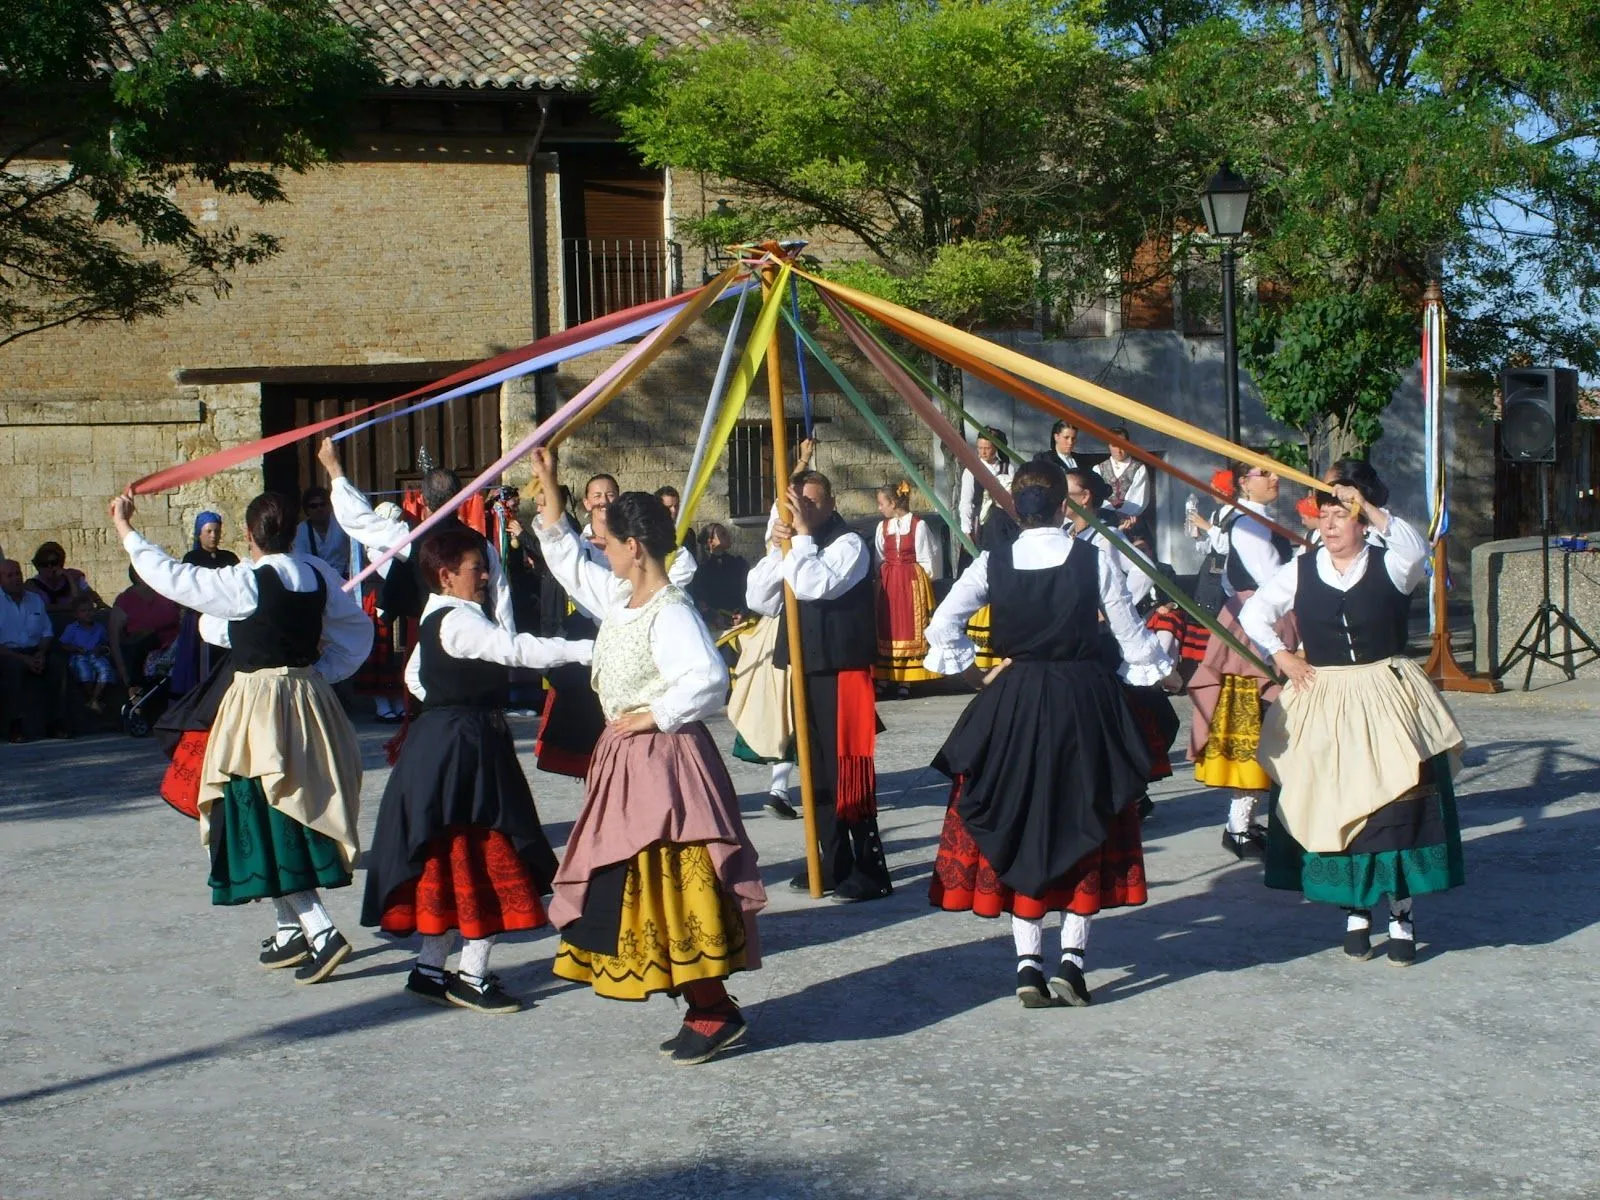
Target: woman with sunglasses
<point x="1230" y="692"/>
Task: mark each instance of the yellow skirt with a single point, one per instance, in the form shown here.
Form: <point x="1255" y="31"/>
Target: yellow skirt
<point x="1229" y="760"/>
<point x="678" y="926"/>
<point x="978" y="632"/>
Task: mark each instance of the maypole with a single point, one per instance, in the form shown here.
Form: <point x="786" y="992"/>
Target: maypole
<point x="1441" y="666"/>
<point x="791" y="606"/>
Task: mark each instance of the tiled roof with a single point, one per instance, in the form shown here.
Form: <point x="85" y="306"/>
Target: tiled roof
<point x="482" y="43"/>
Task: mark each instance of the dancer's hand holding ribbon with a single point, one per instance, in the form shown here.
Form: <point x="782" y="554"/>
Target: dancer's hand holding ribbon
<point x="1300" y="673"/>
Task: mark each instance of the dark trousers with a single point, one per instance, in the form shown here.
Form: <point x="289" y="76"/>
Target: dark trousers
<point x="35" y="701"/>
<point x="847" y="847"/>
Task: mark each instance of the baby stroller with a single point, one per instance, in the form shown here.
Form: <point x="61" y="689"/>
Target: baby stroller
<point x="140" y="713"/>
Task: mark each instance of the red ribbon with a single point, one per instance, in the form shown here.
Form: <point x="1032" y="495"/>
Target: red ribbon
<point x="220" y="460"/>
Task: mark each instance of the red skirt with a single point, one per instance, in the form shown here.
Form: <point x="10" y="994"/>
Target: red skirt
<point x="383" y="674"/>
<point x="1110" y="876"/>
<point x="472" y="881"/>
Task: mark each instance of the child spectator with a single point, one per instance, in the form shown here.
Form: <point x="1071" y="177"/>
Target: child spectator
<point x="89" y="651"/>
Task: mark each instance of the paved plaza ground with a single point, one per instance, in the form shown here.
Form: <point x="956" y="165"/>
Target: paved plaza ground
<point x="1232" y="1051"/>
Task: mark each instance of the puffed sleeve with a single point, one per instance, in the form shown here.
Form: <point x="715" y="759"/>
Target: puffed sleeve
<point x="950" y="650"/>
<point x="1266" y="607"/>
<point x="686" y="656"/>
<point x="763" y="585"/>
<point x="591" y="586"/>
<point x="1145" y="664"/>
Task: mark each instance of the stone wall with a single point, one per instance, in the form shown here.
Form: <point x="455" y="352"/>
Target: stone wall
<point x="1507" y="587"/>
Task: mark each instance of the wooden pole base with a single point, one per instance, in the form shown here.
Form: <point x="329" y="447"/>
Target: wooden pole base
<point x="1441" y="666"/>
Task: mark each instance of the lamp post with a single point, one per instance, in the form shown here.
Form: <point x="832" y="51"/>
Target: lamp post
<point x="1224" y="203"/>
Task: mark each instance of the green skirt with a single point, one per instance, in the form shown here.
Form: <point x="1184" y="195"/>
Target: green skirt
<point x="1428" y="859"/>
<point x="257" y="853"/>
<point x="742" y="751"/>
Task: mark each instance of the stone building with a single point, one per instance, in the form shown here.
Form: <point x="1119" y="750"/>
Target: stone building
<point x="480" y="205"/>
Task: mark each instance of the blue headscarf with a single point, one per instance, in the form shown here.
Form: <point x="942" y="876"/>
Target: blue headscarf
<point x="201" y="521"/>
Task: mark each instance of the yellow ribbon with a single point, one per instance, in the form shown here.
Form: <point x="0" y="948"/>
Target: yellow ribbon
<point x="1059" y="381"/>
<point x="755" y="353"/>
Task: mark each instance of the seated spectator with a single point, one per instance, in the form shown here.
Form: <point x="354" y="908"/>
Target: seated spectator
<point x="718" y="586"/>
<point x="59" y="585"/>
<point x="31" y="678"/>
<point x="88" y="653"/>
<point x="319" y="535"/>
<point x="207" y="551"/>
<point x="143" y="623"/>
<point x="1129" y="479"/>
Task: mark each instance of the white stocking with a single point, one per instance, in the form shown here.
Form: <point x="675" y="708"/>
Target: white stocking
<point x="1074" y="936"/>
<point x="475" y="957"/>
<point x="313" y="918"/>
<point x="436" y="948"/>
<point x="1028" y="936"/>
<point x="782" y="773"/>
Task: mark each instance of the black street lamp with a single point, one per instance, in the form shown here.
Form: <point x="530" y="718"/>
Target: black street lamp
<point x="1224" y="203"/>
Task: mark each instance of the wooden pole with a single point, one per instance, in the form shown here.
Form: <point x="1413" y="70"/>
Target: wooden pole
<point x="791" y="606"/>
<point x="1441" y="666"/>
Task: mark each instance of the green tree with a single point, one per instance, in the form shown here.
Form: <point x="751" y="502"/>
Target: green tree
<point x="107" y="114"/>
<point x="1392" y="141"/>
<point x="909" y="127"/>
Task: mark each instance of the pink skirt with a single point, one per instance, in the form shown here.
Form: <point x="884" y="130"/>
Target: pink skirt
<point x="649" y="788"/>
<point x="1222" y="659"/>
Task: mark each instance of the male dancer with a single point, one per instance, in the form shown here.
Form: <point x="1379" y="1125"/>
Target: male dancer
<point x="829" y="568"/>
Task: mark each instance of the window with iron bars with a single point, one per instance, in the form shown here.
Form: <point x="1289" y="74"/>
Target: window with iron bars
<point x="752" y="483"/>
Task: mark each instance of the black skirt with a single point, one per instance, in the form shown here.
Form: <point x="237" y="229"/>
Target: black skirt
<point x="1050" y="753"/>
<point x="196" y="709"/>
<point x="458" y="768"/>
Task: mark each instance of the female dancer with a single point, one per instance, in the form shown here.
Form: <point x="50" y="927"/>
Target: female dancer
<point x="659" y="888"/>
<point x="1048" y="761"/>
<point x="908" y="560"/>
<point x="458" y="844"/>
<point x="1359" y="743"/>
<point x="1229" y="692"/>
<point x="280" y="783"/>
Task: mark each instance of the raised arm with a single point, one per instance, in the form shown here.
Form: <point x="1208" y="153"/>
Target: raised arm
<point x="829" y="573"/>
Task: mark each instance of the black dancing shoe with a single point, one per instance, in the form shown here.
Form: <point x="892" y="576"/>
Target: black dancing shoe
<point x="670" y="1046"/>
<point x="1033" y="991"/>
<point x="802" y="883"/>
<point x="861" y="887"/>
<point x="1147" y="807"/>
<point x="1402" y="951"/>
<point x="1358" y="943"/>
<point x="1241" y="845"/>
<point x="433" y="989"/>
<point x="291" y="954"/>
<point x="325" y="956"/>
<point x="1069" y="984"/>
<point x="779" y="806"/>
<point x="483" y="995"/>
<point x="694" y="1047"/>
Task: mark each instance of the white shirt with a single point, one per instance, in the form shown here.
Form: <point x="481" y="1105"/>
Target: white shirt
<point x="355" y="516"/>
<point x="1252" y="542"/>
<point x="923" y="545"/>
<point x="680" y="644"/>
<point x="950" y="651"/>
<point x="975" y="500"/>
<point x="680" y="569"/>
<point x="1137" y="497"/>
<point x="1135" y="577"/>
<point x="231" y="594"/>
<point x="332" y="547"/>
<point x="466" y="632"/>
<point x="25" y="622"/>
<point x="1406" y="552"/>
<point x="813" y="574"/>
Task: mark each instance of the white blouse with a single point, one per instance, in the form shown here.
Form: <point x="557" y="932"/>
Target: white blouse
<point x="680" y="646"/>
<point x="680" y="570"/>
<point x="1405" y="554"/>
<point x="1135" y="577"/>
<point x="950" y="651"/>
<point x="354" y="514"/>
<point x="227" y="594"/>
<point x="466" y="632"/>
<point x="1137" y="498"/>
<point x="924" y="546"/>
<point x="975" y="501"/>
<point x="813" y="574"/>
<point x="1252" y="542"/>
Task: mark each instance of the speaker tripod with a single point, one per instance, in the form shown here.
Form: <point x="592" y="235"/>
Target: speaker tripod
<point x="1534" y="643"/>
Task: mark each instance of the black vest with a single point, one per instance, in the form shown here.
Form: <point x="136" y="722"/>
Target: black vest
<point x="450" y="682"/>
<point x="1046" y="615"/>
<point x="285" y="629"/>
<point x="1238" y="577"/>
<point x="405" y="593"/>
<point x="839" y="634"/>
<point x="1367" y="624"/>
